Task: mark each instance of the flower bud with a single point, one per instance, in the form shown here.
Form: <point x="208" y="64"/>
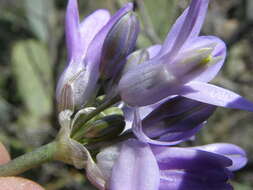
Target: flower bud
<point x="119" y="42"/>
<point x="101" y="129"/>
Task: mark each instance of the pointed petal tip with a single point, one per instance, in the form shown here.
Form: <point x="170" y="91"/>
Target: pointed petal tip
<point x="72" y="13"/>
<point x="231" y="151"/>
<point x="130" y="5"/>
<point x="187" y="27"/>
<point x="72" y="4"/>
<point x="214" y="95"/>
<point x="72" y="27"/>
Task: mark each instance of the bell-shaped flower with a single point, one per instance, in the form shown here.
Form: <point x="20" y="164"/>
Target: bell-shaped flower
<point x="84" y="44"/>
<point x="139" y="166"/>
<point x="182" y="65"/>
<point x="172" y="121"/>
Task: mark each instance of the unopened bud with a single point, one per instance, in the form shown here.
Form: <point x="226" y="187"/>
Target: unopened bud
<point x="118" y="44"/>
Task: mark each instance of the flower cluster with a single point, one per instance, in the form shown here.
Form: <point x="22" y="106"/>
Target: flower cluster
<point x="133" y="106"/>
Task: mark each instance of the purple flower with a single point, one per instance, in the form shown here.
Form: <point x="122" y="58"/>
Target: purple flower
<point x="171" y="121"/>
<point x="140" y="166"/>
<point x="84" y="44"/>
<point x="182" y="66"/>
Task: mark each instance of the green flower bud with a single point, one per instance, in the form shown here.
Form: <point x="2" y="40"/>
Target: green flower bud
<point x="102" y="129"/>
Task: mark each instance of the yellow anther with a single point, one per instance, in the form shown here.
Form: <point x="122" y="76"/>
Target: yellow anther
<point x="206" y="60"/>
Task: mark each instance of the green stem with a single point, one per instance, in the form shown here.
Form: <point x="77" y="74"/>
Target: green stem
<point x="98" y="110"/>
<point x="30" y="160"/>
<point x="101" y="108"/>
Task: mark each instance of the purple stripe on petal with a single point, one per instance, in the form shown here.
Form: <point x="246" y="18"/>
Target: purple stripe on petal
<point x="147" y="84"/>
<point x="136" y="168"/>
<point x="94" y="51"/>
<point x="170" y="138"/>
<point x="119" y="43"/>
<point x="233" y="152"/>
<point x="188" y="159"/>
<point x="172" y="122"/>
<point x="186" y="180"/>
<point x="174" y="137"/>
<point x="215" y="95"/>
<point x="172" y="107"/>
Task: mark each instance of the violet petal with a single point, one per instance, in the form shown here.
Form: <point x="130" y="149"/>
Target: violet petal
<point x="211" y="94"/>
<point x="188" y="159"/>
<point x="136" y="168"/>
<point x="168" y="138"/>
<point x="147" y="84"/>
<point x="233" y="152"/>
<point x="172" y="122"/>
<point x="91" y="25"/>
<point x="154" y="50"/>
<point x="95" y="48"/>
<point x="186" y="27"/>
<point x="72" y="28"/>
<point x="219" y="51"/>
<point x="183" y="180"/>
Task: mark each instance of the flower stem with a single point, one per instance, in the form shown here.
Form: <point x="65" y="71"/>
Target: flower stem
<point x="30" y="160"/>
<point x="98" y="110"/>
<point x="102" y="107"/>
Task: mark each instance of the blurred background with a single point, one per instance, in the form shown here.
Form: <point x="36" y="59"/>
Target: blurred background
<point x="33" y="54"/>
